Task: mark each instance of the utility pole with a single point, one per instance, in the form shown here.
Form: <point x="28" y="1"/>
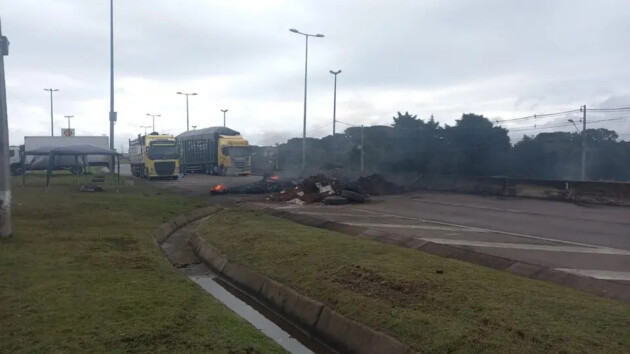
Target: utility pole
<point x="52" y="128"/>
<point x="224" y="112"/>
<point x="112" y="114"/>
<point x="5" y="182"/>
<point x="583" y="143"/>
<point x="362" y="150"/>
<point x="68" y="118"/>
<point x="187" y="94"/>
<point x="335" y="100"/>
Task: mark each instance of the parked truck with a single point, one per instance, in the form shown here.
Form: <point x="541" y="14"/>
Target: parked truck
<point x="15" y="160"/>
<point x="214" y="150"/>
<point x="33" y="162"/>
<point x="154" y="155"/>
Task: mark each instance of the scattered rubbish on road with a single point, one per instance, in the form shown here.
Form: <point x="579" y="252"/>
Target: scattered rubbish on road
<point x="314" y="189"/>
<point x="377" y="185"/>
<point x="335" y="200"/>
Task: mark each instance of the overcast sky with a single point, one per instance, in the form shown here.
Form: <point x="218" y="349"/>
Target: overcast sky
<point x="503" y="59"/>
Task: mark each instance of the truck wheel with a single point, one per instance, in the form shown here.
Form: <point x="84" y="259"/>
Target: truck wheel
<point x="16" y="170"/>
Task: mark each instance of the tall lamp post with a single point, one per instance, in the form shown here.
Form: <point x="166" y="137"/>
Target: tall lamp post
<point x="187" y="94"/>
<point x="6" y="229"/>
<point x="306" y="35"/>
<point x="112" y="114"/>
<point x="52" y="127"/>
<point x="153" y="117"/>
<point x="145" y="128"/>
<point x="68" y="118"/>
<point x="224" y="112"/>
<point x="335" y="100"/>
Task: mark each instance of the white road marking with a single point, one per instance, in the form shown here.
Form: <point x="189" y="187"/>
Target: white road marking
<point x="403" y="226"/>
<point x="471" y="206"/>
<point x="482" y="229"/>
<point x="523" y="246"/>
<point x="341" y="214"/>
<point x="599" y="274"/>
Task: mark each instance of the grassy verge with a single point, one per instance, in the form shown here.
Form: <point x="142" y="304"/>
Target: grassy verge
<point x="467" y="309"/>
<point x="83" y="273"/>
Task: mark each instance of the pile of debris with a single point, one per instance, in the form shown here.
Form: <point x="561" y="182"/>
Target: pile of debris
<point x="377" y="185"/>
<point x="314" y="189"/>
<point x="332" y="191"/>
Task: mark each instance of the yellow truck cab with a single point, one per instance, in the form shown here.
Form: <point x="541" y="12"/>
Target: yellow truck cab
<point x="154" y="155"/>
<point x="234" y="155"/>
<point x="214" y="150"/>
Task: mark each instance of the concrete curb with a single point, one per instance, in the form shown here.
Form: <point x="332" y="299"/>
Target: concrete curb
<point x="164" y="231"/>
<point x="310" y="314"/>
<point x="604" y="288"/>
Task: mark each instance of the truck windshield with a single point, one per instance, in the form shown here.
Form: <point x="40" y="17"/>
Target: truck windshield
<point x="237" y="151"/>
<point x="163" y="152"/>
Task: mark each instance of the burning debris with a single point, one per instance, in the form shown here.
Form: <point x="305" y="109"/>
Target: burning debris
<point x="332" y="191"/>
<point x="218" y="189"/>
<point x="314" y="189"/>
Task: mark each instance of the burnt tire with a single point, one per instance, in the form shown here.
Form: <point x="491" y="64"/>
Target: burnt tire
<point x="354" y="187"/>
<point x="335" y="200"/>
<point x="353" y="196"/>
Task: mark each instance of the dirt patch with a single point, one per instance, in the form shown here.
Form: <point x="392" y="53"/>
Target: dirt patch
<point x="369" y="283"/>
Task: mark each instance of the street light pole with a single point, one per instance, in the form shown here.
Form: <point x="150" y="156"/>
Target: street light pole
<point x="335" y="100"/>
<point x="5" y="177"/>
<point x="145" y="128"/>
<point x="153" y="117"/>
<point x="112" y="114"/>
<point x="306" y="35"/>
<point x="52" y="127"/>
<point x="69" y="117"/>
<point x="224" y="112"/>
<point x="187" y="118"/>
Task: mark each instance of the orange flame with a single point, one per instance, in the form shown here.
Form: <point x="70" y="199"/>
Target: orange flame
<point x="274" y="177"/>
<point x="218" y="188"/>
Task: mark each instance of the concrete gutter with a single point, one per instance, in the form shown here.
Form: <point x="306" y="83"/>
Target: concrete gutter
<point x="310" y="315"/>
<point x="599" y="287"/>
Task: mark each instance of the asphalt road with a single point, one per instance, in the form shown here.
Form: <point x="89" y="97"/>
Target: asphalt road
<point x="198" y="185"/>
<point x="589" y="240"/>
<point x="592" y="240"/>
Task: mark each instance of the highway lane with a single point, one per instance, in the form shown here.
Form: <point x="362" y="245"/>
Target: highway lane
<point x="590" y="240"/>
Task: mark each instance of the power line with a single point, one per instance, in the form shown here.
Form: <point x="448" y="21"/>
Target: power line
<point x="537" y="116"/>
<point x="609" y="109"/>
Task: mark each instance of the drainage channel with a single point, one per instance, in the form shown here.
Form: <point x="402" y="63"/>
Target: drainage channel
<point x="272" y="325"/>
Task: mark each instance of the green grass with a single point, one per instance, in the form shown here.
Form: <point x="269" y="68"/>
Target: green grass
<point x="467" y="309"/>
<point x="83" y="273"/>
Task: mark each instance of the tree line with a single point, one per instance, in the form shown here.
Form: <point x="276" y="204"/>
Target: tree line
<point x="473" y="146"/>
